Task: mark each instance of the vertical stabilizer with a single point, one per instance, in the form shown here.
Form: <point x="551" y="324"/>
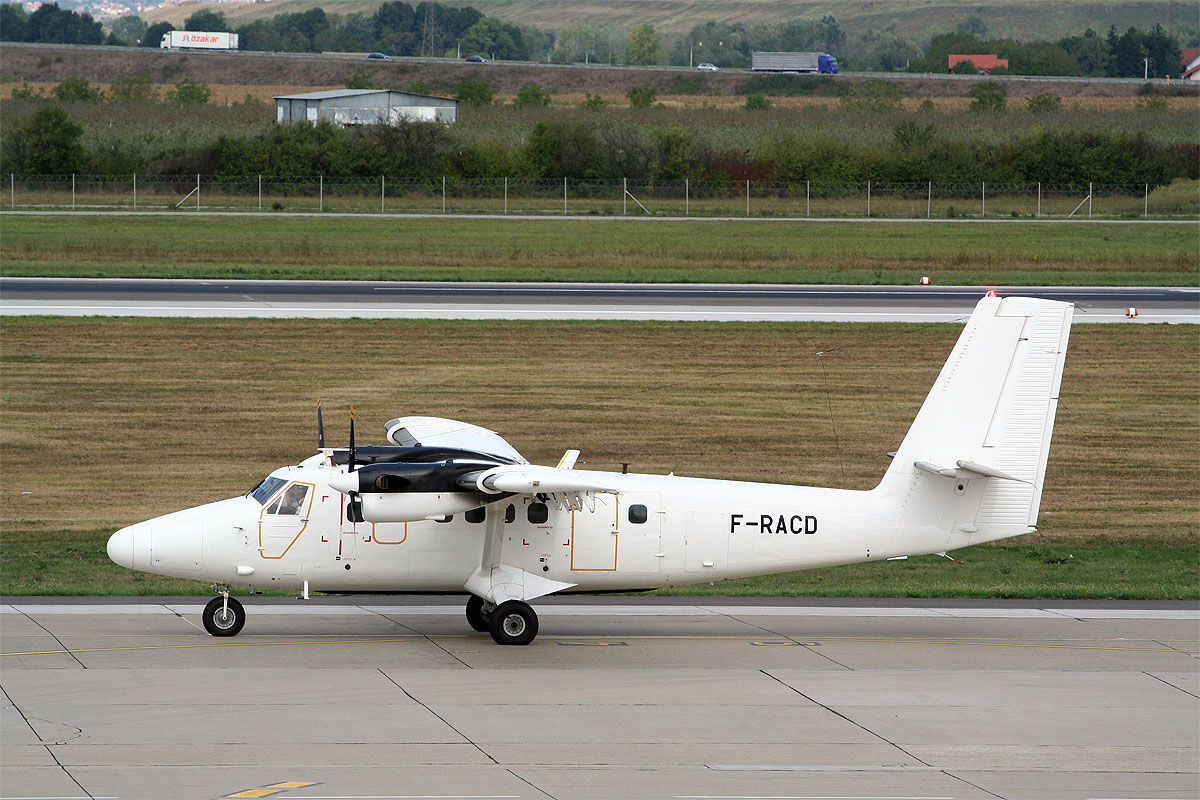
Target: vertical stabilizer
<point x="974" y="459"/>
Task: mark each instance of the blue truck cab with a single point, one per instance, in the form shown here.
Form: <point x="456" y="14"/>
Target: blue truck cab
<point x="827" y="64"/>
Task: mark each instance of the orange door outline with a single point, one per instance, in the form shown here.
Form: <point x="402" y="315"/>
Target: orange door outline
<point x="312" y="493"/>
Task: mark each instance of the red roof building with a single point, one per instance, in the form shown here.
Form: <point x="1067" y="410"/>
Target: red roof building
<point x="983" y="63"/>
<point x="1189" y="67"/>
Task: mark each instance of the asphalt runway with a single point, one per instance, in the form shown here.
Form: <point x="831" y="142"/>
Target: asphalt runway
<point x="434" y="300"/>
<point x="624" y="697"/>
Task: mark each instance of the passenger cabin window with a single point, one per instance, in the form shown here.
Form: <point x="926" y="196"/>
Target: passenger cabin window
<point x="446" y="518"/>
<point x="637" y="514"/>
<point x="475" y="514"/>
<point x="510" y="513"/>
<point x="538" y="513"/>
<point x="291" y="502"/>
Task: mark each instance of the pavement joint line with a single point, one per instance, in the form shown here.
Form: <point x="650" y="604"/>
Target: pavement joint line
<point x="649" y="637"/>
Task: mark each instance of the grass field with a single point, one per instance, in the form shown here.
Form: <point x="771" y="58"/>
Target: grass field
<point x="601" y="250"/>
<point x="104" y="422"/>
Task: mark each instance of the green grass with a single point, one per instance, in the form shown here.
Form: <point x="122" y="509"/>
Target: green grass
<point x="106" y="422"/>
<point x="1037" y="566"/>
<point x="600" y="250"/>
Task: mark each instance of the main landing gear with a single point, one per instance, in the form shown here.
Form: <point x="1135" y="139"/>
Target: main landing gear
<point x="224" y="616"/>
<point x="511" y="622"/>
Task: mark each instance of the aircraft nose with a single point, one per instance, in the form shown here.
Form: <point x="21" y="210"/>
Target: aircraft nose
<point x="120" y="547"/>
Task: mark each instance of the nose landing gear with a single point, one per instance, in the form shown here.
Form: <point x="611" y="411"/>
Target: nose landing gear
<point x="224" y="616"/>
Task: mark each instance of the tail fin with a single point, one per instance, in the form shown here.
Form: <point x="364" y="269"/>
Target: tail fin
<point x="974" y="460"/>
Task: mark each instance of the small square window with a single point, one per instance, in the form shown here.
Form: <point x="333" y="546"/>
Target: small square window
<point x="538" y="513"/>
<point x="637" y="514"/>
<point x="475" y="514"/>
<point x="510" y="513"/>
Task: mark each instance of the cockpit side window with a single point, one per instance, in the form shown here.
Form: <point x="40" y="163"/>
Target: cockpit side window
<point x="291" y="502"/>
<point x="264" y="490"/>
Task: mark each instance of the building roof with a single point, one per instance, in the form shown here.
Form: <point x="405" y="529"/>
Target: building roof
<point x="330" y="93"/>
<point x="1187" y="55"/>
<point x="981" y="61"/>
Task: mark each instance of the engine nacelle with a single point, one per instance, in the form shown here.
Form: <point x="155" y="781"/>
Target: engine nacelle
<point x="415" y="506"/>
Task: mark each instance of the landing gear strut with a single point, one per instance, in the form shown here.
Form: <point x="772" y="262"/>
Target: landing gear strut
<point x="478" y="615"/>
<point x="224" y="616"/>
<point x="513" y="622"/>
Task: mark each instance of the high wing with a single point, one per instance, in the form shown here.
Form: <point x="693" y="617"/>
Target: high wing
<point x="450" y="433"/>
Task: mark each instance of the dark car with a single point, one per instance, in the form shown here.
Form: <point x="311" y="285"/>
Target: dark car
<point x="476" y="59"/>
<point x="380" y="56"/>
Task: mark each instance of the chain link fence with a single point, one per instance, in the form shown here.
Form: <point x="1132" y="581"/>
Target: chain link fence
<point x="665" y="198"/>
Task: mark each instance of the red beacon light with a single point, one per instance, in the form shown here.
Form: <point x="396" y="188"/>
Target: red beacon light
<point x="992" y="293"/>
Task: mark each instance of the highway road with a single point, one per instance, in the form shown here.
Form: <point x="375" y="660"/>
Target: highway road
<point x="691" y="302"/>
<point x="536" y="65"/>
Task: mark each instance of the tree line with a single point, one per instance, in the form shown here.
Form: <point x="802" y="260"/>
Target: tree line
<point x="585" y="145"/>
<point x="432" y="29"/>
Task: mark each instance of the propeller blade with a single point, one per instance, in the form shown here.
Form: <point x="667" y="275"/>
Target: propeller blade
<point x="350" y="466"/>
<point x="320" y="427"/>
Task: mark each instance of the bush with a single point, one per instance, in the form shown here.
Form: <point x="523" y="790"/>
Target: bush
<point x="1044" y="103"/>
<point x="474" y="92"/>
<point x="989" y="96"/>
<point x="642" y="96"/>
<point x="360" y="80"/>
<point x="27" y="92"/>
<point x="757" y="102"/>
<point x="77" y="90"/>
<point x="189" y="93"/>
<point x="1151" y="103"/>
<point x="531" y="96"/>
<point x="132" y="89"/>
<point x="594" y="102"/>
<point x="871" y="96"/>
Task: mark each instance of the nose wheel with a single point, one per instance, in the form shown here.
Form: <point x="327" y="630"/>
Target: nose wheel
<point x="513" y="622"/>
<point x="224" y="616"/>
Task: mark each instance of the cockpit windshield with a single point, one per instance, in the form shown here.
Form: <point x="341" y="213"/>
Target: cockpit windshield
<point x="262" y="493"/>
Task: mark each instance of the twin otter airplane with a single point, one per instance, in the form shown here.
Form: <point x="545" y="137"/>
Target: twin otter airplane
<point x="450" y="506"/>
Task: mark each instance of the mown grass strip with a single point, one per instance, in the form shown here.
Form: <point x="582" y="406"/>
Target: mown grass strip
<point x="1011" y="254"/>
<point x="104" y="422"/>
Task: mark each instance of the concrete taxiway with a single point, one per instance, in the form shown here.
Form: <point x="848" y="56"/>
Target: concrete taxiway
<point x="614" y="301"/>
<point x="636" y="697"/>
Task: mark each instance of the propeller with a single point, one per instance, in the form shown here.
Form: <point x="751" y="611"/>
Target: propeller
<point x="354" y="507"/>
<point x="320" y="427"/>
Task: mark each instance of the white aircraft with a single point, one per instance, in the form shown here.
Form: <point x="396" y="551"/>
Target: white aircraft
<point x="450" y="506"/>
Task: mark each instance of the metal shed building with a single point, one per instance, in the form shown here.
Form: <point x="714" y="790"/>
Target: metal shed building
<point x="364" y="107"/>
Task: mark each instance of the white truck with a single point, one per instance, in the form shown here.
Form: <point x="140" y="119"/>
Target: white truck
<point x="793" y="62"/>
<point x="201" y="40"/>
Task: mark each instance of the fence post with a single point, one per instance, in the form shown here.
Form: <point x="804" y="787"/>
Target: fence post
<point x="1090" y="185"/>
<point x="382" y="191"/>
<point x="624" y="197"/>
<point x="506" y="194"/>
<point x="72" y="191"/>
<point x="747" y="197"/>
<point x="929" y="201"/>
<point x="1039" y="211"/>
<point x="1146" y="205"/>
<point x="260" y="192"/>
<point x="687" y="198"/>
<point x="12" y="190"/>
<point x="564" y="195"/>
<point x="135" y="191"/>
<point x="197" y="191"/>
<point x="984" y="196"/>
<point x="320" y="193"/>
<point x="868" y="198"/>
<point x="443" y="194"/>
<point x="808" y="198"/>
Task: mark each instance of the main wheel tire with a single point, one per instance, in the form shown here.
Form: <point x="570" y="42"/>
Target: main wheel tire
<point x="477" y="618"/>
<point x="513" y="623"/>
<point x="222" y="620"/>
